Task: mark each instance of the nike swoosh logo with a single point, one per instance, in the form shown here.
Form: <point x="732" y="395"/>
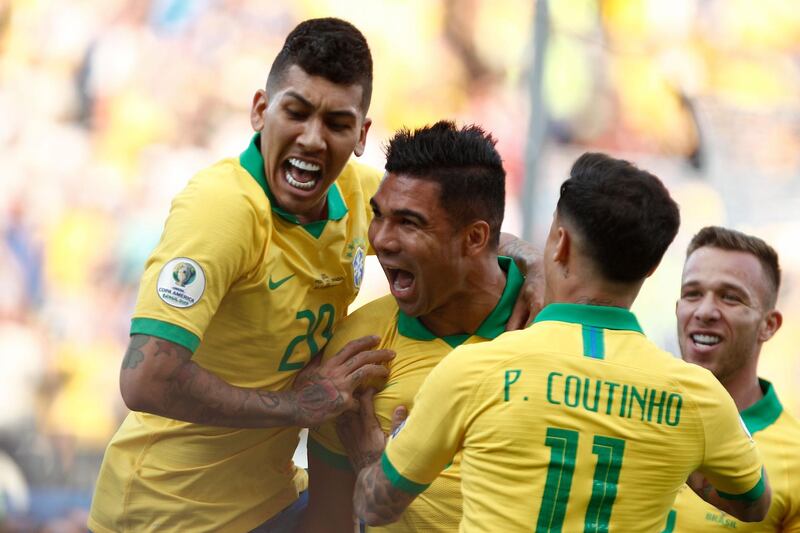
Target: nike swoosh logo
<point x="275" y="284"/>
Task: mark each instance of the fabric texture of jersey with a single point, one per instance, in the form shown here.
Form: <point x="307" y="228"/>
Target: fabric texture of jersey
<point x="417" y="353"/>
<point x="577" y="423"/>
<point x="777" y="435"/>
<point x="272" y="291"/>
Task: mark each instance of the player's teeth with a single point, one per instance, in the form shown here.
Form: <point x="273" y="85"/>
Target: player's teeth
<point x="304" y="165"/>
<point x="705" y="339"/>
<point x="299" y="184"/>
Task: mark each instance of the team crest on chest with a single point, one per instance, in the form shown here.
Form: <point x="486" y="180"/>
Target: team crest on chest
<point x="356" y="251"/>
<point x="181" y="282"/>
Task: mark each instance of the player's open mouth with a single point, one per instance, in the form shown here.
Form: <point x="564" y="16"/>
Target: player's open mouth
<point x="301" y="174"/>
<point x="401" y="281"/>
<point x="704" y="339"/>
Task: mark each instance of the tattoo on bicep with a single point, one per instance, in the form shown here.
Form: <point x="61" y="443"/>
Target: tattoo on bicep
<point x="134" y="355"/>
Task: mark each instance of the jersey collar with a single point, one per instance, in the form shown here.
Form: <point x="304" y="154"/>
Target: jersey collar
<point x="492" y="326"/>
<point x="765" y="411"/>
<point x="253" y="162"/>
<point x="599" y="316"/>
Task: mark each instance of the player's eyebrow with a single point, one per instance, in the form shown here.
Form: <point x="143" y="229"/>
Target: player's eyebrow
<point x="410" y="213"/>
<point x="347" y="113"/>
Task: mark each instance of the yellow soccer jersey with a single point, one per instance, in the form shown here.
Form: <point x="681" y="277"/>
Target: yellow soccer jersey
<point x="777" y="435"/>
<point x="417" y="352"/>
<point x="577" y="423"/>
<point x="254" y="294"/>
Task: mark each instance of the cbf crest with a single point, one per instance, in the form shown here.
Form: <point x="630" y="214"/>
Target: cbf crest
<point x="357" y="252"/>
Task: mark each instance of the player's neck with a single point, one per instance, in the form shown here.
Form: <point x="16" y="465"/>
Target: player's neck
<point x="580" y="283"/>
<point x="465" y="311"/>
<point x="744" y="388"/>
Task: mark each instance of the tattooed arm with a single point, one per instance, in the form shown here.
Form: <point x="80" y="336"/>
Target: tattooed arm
<point x="376" y="501"/>
<point x="159" y="377"/>
<point x="743" y="509"/>
<point x="531" y="296"/>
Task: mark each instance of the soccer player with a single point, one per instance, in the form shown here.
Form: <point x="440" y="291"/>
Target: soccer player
<point x="435" y="230"/>
<point x="577" y="423"/>
<point x="259" y="259"/>
<point x="726" y="311"/>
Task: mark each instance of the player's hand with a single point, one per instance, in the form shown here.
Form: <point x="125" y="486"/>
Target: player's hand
<point x="531" y="297"/>
<point x="699" y="484"/>
<point x="361" y="433"/>
<point x="323" y="390"/>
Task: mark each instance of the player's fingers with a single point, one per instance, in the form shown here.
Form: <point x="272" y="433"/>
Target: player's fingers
<point x="353" y="348"/>
<point x="519" y="316"/>
<point x="366" y="404"/>
<point x="399" y="416"/>
<point x="368" y="373"/>
<point x="370" y="357"/>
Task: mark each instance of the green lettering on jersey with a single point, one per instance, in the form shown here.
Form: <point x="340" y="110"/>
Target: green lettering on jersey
<point x="314" y="322"/>
<point x="510" y="381"/>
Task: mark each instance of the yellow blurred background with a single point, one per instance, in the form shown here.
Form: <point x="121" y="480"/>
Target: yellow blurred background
<point x="108" y="107"/>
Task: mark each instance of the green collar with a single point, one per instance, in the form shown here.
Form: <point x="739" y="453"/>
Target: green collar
<point x="599" y="316"/>
<point x="765" y="411"/>
<point x="492" y="326"/>
<point x="252" y="161"/>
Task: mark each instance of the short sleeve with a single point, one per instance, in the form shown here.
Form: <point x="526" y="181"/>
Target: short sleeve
<point x="731" y="461"/>
<point x="431" y="436"/>
<point x="209" y="240"/>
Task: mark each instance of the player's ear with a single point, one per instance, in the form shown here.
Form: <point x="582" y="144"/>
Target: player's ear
<point x="260" y="102"/>
<point x="476" y="237"/>
<point x="362" y="137"/>
<point x="771" y="324"/>
<point x="563" y="245"/>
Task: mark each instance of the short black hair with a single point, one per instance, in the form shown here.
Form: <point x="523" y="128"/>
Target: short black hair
<point x="736" y="241"/>
<point x="625" y="214"/>
<point x="328" y="47"/>
<point x="465" y="164"/>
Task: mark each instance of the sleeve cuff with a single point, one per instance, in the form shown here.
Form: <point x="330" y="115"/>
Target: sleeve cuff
<point x="166" y="331"/>
<point x="751" y="495"/>
<point x="398" y="481"/>
<point x="331" y="458"/>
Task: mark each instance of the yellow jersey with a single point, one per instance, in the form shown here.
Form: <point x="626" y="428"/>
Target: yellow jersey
<point x="577" y="423"/>
<point x="254" y="294"/>
<point x="417" y="351"/>
<point x="777" y="435"/>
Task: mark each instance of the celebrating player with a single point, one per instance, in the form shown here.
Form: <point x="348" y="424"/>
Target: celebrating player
<point x="259" y="259"/>
<point x="435" y="230"/>
<point x="725" y="313"/>
<point x="577" y="423"/>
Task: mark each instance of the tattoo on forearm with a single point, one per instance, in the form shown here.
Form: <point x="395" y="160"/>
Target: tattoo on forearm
<point x="377" y="500"/>
<point x="134" y="355"/>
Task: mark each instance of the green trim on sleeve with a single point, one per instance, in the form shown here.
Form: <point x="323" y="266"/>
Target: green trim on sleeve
<point x="397" y="480"/>
<point x="333" y="459"/>
<point x="599" y="316"/>
<point x="765" y="411"/>
<point x="166" y="331"/>
<point x="252" y="161"/>
<point x="751" y="495"/>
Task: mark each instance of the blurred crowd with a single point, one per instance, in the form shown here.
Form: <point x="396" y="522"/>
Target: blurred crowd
<point x="107" y="108"/>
